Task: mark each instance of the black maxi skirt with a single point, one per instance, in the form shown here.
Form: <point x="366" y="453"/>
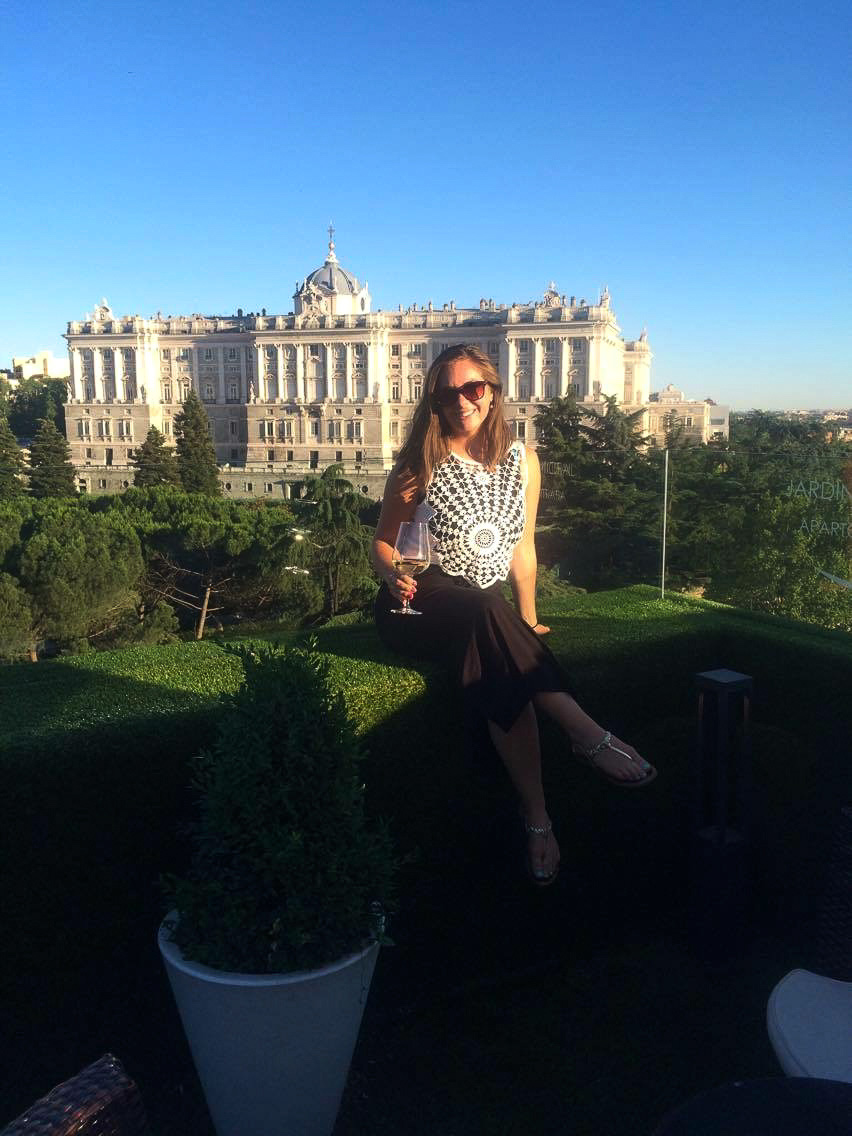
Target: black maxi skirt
<point x="497" y="658"/>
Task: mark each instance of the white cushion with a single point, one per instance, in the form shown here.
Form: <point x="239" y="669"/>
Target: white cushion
<point x="809" y="1019"/>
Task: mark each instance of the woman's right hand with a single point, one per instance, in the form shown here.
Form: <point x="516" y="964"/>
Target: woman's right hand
<point x="401" y="587"/>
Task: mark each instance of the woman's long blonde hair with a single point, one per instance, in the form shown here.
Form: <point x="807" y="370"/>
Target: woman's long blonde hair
<point x="428" y="441"/>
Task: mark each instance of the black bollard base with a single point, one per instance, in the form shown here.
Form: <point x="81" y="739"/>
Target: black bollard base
<point x="720" y="894"/>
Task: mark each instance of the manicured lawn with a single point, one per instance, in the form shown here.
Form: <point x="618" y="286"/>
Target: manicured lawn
<point x="588" y="1008"/>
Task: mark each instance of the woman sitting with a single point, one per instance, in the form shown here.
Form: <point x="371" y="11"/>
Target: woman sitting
<point x="460" y="472"/>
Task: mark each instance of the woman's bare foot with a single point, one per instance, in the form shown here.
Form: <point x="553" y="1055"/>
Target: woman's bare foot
<point x="617" y="760"/>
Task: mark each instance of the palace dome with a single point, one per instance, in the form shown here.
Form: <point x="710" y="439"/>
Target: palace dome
<point x="334" y="278"/>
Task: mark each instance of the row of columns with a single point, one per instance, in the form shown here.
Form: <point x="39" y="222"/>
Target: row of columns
<point x="509" y="367"/>
<point x="106" y="387"/>
<point x="270" y="382"/>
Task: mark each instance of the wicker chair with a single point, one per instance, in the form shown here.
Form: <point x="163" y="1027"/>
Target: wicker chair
<point x="101" y="1100"/>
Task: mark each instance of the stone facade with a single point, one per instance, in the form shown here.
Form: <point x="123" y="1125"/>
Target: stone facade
<point x="330" y="381"/>
<point x="702" y="419"/>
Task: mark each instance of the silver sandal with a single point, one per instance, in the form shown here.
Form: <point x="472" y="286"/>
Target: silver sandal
<point x="590" y="754"/>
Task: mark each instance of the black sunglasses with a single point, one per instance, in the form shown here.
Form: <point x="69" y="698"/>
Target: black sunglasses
<point x="473" y="392"/>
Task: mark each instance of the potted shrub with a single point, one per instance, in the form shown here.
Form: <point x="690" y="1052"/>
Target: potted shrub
<point x="273" y="935"/>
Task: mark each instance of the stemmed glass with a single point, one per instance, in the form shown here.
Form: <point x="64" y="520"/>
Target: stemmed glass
<point x="411" y="555"/>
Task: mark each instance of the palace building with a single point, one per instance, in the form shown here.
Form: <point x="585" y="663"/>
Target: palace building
<point x="331" y="381"/>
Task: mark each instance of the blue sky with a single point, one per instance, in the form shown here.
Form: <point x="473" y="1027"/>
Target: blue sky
<point x="694" y="157"/>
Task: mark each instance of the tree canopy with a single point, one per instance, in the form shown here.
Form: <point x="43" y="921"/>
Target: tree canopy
<point x="155" y="462"/>
<point x="34" y="399"/>
<point x="51" y="471"/>
<point x="337" y="544"/>
<point x="12" y="464"/>
<point x="196" y="455"/>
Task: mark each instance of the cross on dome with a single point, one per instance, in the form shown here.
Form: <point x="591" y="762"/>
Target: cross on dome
<point x="331" y="256"/>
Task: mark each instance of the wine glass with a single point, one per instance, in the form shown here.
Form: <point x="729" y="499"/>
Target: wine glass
<point x="411" y="555"/>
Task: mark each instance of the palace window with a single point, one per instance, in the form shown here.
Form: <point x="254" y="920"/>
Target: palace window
<point x="89" y="452"/>
<point x="234" y="454"/>
<point x="267" y="428"/>
<point x="395" y="350"/>
<point x="338" y="455"/>
<point x="394" y="428"/>
<point x="84" y="428"/>
<point x="105" y="428"/>
<point x="267" y="487"/>
<point x="167" y="429"/>
<point x="125" y="428"/>
<point x="285" y="429"/>
<point x="232" y="352"/>
<point x="521" y="430"/>
<point x="128" y="353"/>
<point x="314" y="430"/>
<point x="418" y="390"/>
<point x="289" y="455"/>
<point x="270" y="455"/>
<point x="416" y="349"/>
<point x="313" y="459"/>
<point x="248" y="486"/>
<point x="167" y="392"/>
<point x="524" y="389"/>
<point x="232" y="428"/>
<point x="356" y="431"/>
<point x="395" y="390"/>
<point x="208" y="392"/>
<point x="232" y="392"/>
<point x="208" y="352"/>
<point x="314" y="350"/>
<point x="523" y="345"/>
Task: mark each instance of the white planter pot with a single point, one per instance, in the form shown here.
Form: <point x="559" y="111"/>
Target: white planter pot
<point x="272" y="1050"/>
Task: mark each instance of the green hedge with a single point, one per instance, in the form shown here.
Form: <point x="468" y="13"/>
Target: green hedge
<point x="96" y="753"/>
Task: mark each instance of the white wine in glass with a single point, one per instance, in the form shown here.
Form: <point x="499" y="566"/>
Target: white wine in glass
<point x="411" y="556"/>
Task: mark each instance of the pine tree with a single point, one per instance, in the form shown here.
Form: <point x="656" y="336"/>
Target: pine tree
<point x="51" y="471"/>
<point x="196" y="457"/>
<point x="155" y="463"/>
<point x="11" y="463"/>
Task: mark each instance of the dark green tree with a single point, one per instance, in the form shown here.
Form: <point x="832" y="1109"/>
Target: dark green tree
<point x="336" y="545"/>
<point x="204" y="554"/>
<point x="79" y="570"/>
<point x="154" y="461"/>
<point x="196" y="455"/>
<point x="51" y="471"/>
<point x="35" y="399"/>
<point x="614" y="436"/>
<point x="15" y="618"/>
<point x="12" y="464"/>
<point x="557" y="424"/>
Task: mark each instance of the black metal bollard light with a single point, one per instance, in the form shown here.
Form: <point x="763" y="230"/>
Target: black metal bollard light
<point x="721" y="878"/>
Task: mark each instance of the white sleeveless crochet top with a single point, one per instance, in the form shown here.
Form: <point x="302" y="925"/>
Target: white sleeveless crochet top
<point x="477" y="517"/>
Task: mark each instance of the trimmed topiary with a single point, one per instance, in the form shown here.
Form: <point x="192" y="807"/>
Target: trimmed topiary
<point x="286" y="869"/>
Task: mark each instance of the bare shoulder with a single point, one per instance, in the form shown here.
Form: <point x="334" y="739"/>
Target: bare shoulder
<point x="533" y="464"/>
